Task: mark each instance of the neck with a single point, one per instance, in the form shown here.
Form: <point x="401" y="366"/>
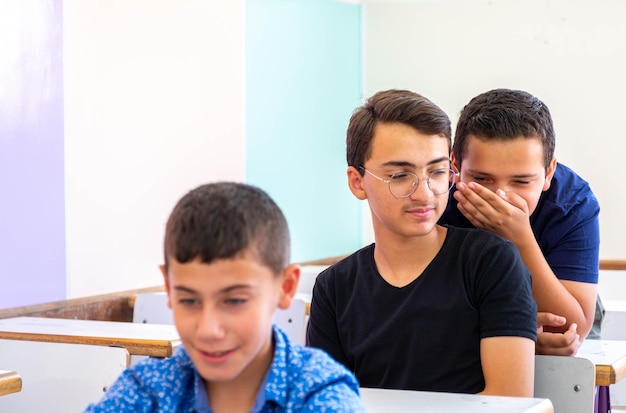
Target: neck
<point x="239" y="394"/>
<point x="401" y="260"/>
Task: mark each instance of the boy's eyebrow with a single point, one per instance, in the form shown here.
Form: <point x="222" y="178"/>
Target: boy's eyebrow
<point x="477" y="172"/>
<point x="182" y="288"/>
<point x="412" y="165"/>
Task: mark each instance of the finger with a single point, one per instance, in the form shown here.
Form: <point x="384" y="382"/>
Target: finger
<point x="498" y="201"/>
<point x="571" y="335"/>
<point x="480" y="196"/>
<point x="549" y="319"/>
<point x="471" y="216"/>
<point x="475" y="208"/>
<point x="513" y="199"/>
<point x="566" y="344"/>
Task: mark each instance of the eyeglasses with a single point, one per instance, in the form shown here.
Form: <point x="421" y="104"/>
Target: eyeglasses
<point x="404" y="184"/>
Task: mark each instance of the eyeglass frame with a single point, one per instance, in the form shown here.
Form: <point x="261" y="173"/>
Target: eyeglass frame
<point x="454" y="176"/>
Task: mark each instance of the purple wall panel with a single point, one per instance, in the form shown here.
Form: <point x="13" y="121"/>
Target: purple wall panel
<point x="32" y="217"/>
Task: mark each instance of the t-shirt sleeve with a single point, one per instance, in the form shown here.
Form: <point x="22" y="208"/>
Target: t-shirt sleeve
<point x="322" y="329"/>
<point x="503" y="294"/>
<point x="575" y="255"/>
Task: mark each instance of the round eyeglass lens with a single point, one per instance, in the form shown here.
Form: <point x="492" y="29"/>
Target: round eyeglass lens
<point x="440" y="181"/>
<point x="404" y="184"/>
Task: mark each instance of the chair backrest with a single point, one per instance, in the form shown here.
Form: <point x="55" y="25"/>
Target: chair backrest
<point x="59" y="377"/>
<point x="569" y="382"/>
<point x="151" y="308"/>
<point x="293" y="320"/>
<point x="308" y="275"/>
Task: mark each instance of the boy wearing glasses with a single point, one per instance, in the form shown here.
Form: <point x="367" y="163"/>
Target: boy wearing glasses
<point x="510" y="184"/>
<point x="425" y="307"/>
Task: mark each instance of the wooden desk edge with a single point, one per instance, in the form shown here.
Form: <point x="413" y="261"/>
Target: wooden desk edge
<point x="10" y="382"/>
<point x="137" y="347"/>
<point x="612" y="264"/>
<point x="612" y="374"/>
<point x="605" y="375"/>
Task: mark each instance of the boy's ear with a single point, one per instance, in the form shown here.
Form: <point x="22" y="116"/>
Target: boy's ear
<point x="289" y="285"/>
<point x="355" y="183"/>
<point x="549" y="174"/>
<point x="454" y="164"/>
<point x="166" y="280"/>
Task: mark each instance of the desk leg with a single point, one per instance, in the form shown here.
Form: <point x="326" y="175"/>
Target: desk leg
<point x="603" y="400"/>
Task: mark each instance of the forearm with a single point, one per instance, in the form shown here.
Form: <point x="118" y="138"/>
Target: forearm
<point x="573" y="300"/>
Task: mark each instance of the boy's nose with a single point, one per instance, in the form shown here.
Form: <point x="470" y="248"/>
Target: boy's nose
<point x="210" y="326"/>
<point x="422" y="191"/>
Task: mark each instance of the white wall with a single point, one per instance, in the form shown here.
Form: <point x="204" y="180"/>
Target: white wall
<point x="154" y="106"/>
<point x="571" y="54"/>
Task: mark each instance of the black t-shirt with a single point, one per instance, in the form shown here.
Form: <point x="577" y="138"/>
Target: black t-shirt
<point x="425" y="335"/>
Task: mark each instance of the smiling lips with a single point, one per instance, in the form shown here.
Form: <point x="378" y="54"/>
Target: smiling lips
<point x="215" y="356"/>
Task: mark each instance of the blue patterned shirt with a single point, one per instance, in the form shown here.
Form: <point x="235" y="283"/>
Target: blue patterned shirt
<point x="300" y="379"/>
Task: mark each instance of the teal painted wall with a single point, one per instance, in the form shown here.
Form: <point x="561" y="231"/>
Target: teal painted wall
<point x="303" y="79"/>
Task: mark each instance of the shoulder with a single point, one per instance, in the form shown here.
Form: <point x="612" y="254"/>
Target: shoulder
<point x="144" y="386"/>
<point x="474" y="248"/>
<point x="570" y="191"/>
<point x="299" y="372"/>
<point x="348" y="267"/>
<point x="475" y="239"/>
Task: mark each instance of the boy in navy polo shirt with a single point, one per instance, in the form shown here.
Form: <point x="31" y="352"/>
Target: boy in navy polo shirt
<point x="511" y="184"/>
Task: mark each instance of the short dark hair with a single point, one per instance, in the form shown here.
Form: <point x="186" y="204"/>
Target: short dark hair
<point x="504" y="114"/>
<point x="226" y="220"/>
<point x="389" y="106"/>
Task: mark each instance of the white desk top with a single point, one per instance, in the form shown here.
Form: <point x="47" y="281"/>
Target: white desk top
<point x="402" y="401"/>
<point x="609" y="357"/>
<point x="140" y="339"/>
<point x="614" y="305"/>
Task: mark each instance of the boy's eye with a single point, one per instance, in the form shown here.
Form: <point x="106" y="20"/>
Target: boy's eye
<point x="480" y="179"/>
<point x="438" y="173"/>
<point x="522" y="182"/>
<point x="402" y="176"/>
<point x="235" y="301"/>
<point x="188" y="302"/>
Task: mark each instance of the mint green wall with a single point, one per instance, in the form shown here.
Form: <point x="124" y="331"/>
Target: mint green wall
<point x="303" y="74"/>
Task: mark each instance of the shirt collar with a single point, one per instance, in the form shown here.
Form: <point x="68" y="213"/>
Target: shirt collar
<point x="277" y="380"/>
<point x="273" y="387"/>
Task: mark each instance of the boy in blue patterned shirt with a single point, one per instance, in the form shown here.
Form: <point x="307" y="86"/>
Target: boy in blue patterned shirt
<point x="226" y="271"/>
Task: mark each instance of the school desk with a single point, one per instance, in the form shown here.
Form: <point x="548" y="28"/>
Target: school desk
<point x="609" y="357"/>
<point x="59" y="377"/>
<point x="157" y="340"/>
<point x="10" y="382"/>
<point x="405" y="401"/>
